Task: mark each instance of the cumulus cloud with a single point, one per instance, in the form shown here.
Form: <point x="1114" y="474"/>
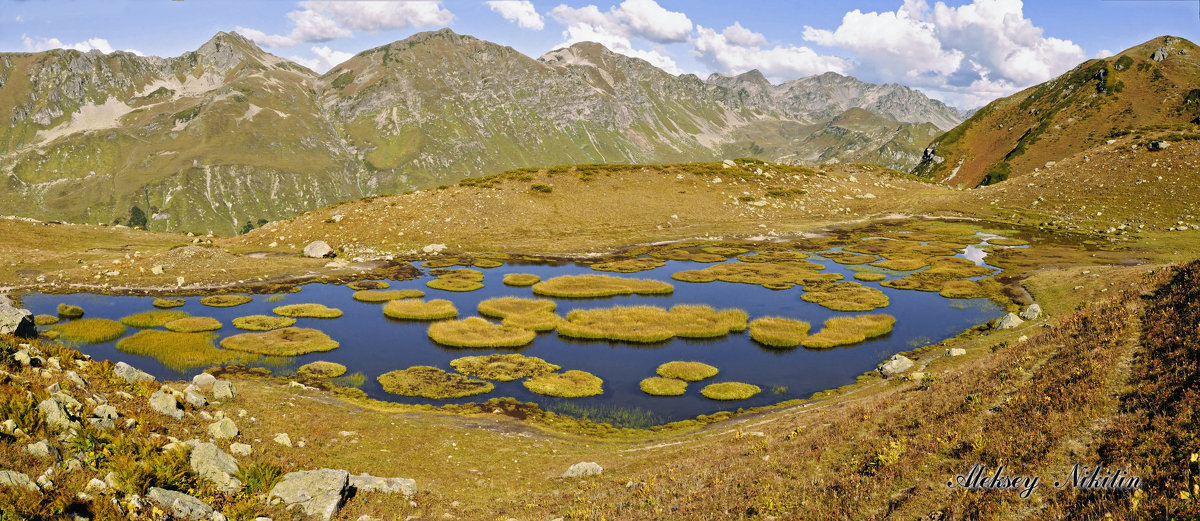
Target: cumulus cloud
<point x="619" y="26"/>
<point x="321" y="21"/>
<point x="97" y="44"/>
<point x="987" y="46"/>
<point x="737" y="50"/>
<point x="522" y="12"/>
<point x="1104" y="53"/>
<point x="323" y="59"/>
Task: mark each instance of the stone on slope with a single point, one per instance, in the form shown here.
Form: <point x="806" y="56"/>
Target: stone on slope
<point x="223" y="390"/>
<point x="180" y="505"/>
<point x="1032" y="312"/>
<point x="318" y="249"/>
<point x="898" y="364"/>
<point x="584" y="468"/>
<point x="367" y="483"/>
<point x="56" y="414"/>
<point x="16" y="321"/>
<point x="165" y="403"/>
<point x="203" y="379"/>
<point x="131" y="374"/>
<point x="223" y="428"/>
<point x="43" y="449"/>
<point x="318" y="492"/>
<point x="1009" y="321"/>
<point x="213" y="464"/>
<point x="12" y="478"/>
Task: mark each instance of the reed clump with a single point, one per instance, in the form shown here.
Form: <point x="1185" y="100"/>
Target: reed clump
<point x="168" y="303"/>
<point x="569" y="384"/>
<point x="288" y="341"/>
<point x="779" y="331"/>
<point x="68" y="311"/>
<point x="595" y="286"/>
<point x="686" y="371"/>
<point x="502" y="367"/>
<point x="307" y="311"/>
<point x="475" y="332"/>
<point x="417" y="309"/>
<point x="659" y="386"/>
<point x="321" y="369"/>
<point x="521" y="279"/>
<point x="90" y="330"/>
<point x="262" y="322"/>
<point x="730" y="391"/>
<point x="649" y="324"/>
<point x="840" y="331"/>
<point x="179" y="351"/>
<point x="226" y="301"/>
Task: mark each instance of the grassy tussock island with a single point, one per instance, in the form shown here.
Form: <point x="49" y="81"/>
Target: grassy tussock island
<point x="503" y="368"/>
<point x="363" y="285"/>
<point x="773" y="256"/>
<point x="45" y="320"/>
<point x="179" y="351"/>
<point x="430" y="382"/>
<point x="226" y="301"/>
<point x="774" y="275"/>
<point x="534" y="314"/>
<point x="321" y="369"/>
<point x="262" y="322"/>
<point x="595" y="286"/>
<point x="376" y="296"/>
<point x="971" y="288"/>
<point x="1006" y="241"/>
<point x="659" y="386"/>
<point x="168" y="303"/>
<point x="779" y="331"/>
<point x="630" y="265"/>
<point x="687" y="371"/>
<point x="941" y="270"/>
<point x="845" y="257"/>
<point x="569" y="384"/>
<point x="475" y="332"/>
<point x="904" y="262"/>
<point x="680" y="254"/>
<point x="90" y="330"/>
<point x="152" y="318"/>
<point x="869" y="276"/>
<point x="307" y="311"/>
<point x="648" y="324"/>
<point x="458" y="280"/>
<point x="521" y="279"/>
<point x="730" y="391"/>
<point x="416" y="309"/>
<point x="193" y="324"/>
<point x="845" y="296"/>
<point x="840" y="331"/>
<point x="289" y="341"/>
<point x="67" y="311"/>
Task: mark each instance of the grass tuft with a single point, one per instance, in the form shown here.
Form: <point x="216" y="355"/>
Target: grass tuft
<point x="521" y="279"/>
<point x="845" y="296"/>
<point x="179" y="351"/>
<point x="307" y="311"/>
<point x="45" y="320"/>
<point x="503" y="368"/>
<point x="569" y="384"/>
<point x="475" y="332"/>
<point x="416" y="309"/>
<point x="839" y="331"/>
<point x="168" y="303"/>
<point x="193" y="324"/>
<point x="68" y="311"/>
<point x="262" y="322"/>
<point x="687" y="371"/>
<point x="595" y="286"/>
<point x="152" y="318"/>
<point x="869" y="276"/>
<point x="375" y="296"/>
<point x="457" y="280"/>
<point x="773" y="275"/>
<point x="90" y="330"/>
<point x="226" y="301"/>
<point x="289" y="341"/>
<point x="631" y="265"/>
<point x="363" y="285"/>
<point x="649" y="324"/>
<point x="659" y="386"/>
<point x="430" y="382"/>
<point x="779" y="331"/>
<point x="730" y="391"/>
<point x="321" y="369"/>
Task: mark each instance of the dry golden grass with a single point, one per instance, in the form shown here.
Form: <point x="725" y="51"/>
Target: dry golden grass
<point x="226" y="301"/>
<point x="502" y="368"/>
<point x="193" y="325"/>
<point x="679" y="254"/>
<point x="779" y="275"/>
<point x="152" y="318"/>
<point x="869" y="276"/>
<point x="595" y="286"/>
<point x="686" y="371"/>
<point x="416" y="309"/>
<point x="649" y="324"/>
<point x="288" y="341"/>
<point x="569" y="384"/>
<point x="363" y="285"/>
<point x="659" y="386"/>
<point x="904" y="262"/>
<point x="90" y="330"/>
<point x="1006" y="241"/>
<point x="376" y="296"/>
<point x="307" y="311"/>
<point x="971" y="289"/>
<point x="475" y="332"/>
<point x="630" y="265"/>
<point x="168" y="303"/>
<point x="840" y="331"/>
<point x="262" y="322"/>
<point x="773" y="256"/>
<point x="457" y="280"/>
<point x="779" y="331"/>
<point x="504" y="307"/>
<point x="179" y="351"/>
<point x="521" y="279"/>
<point x="67" y="311"/>
<point x="321" y="369"/>
<point x="430" y="382"/>
<point x="45" y="320"/>
<point x="845" y="257"/>
<point x="845" y="296"/>
<point x="730" y="391"/>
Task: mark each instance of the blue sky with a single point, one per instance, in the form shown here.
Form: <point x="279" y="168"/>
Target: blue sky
<point x="964" y="53"/>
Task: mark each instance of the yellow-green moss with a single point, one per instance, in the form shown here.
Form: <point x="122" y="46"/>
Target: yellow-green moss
<point x="839" y="331"/>
<point x="594" y="286"/>
<point x="376" y="296"/>
<point x="845" y="257"/>
<point x="649" y="324"/>
<point x="487" y="263"/>
<point x="777" y="274"/>
<point x="503" y="368"/>
<point x="730" y="391"/>
<point x="570" y="384"/>
<point x="364" y="285"/>
<point x="288" y="341"/>
<point x="168" y="303"/>
<point x="457" y="280"/>
<point x="659" y="386"/>
<point x="152" y="318"/>
<point x="1005" y="241"/>
<point x="226" y="301"/>
<point x="521" y="279"/>
<point x="630" y="265"/>
<point x="90" y="330"/>
<point x="417" y="309"/>
<point x="845" y="296"/>
<point x="773" y="256"/>
<point x="262" y="322"/>
<point x="686" y="371"/>
<point x="193" y="324"/>
<point x="869" y="276"/>
<point x="307" y="311"/>
<point x="179" y="351"/>
<point x="68" y="311"/>
<point x="45" y="320"/>
<point x="430" y="382"/>
<point x="475" y="332"/>
<point x="321" y="369"/>
<point x="779" y="331"/>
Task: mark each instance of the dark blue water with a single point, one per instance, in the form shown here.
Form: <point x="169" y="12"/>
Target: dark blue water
<point x="373" y="344"/>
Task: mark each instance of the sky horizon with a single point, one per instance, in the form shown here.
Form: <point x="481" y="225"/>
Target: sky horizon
<point x="964" y="53"/>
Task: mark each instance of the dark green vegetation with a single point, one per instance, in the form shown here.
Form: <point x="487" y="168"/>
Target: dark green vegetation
<point x="288" y="341"/>
<point x="430" y="382"/>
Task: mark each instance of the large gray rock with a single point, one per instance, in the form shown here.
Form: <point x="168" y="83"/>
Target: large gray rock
<point x="43" y="449"/>
<point x="213" y="464"/>
<point x="180" y="505"/>
<point x="131" y="374"/>
<point x="12" y="478"/>
<point x="16" y="321"/>
<point x="224" y="390"/>
<point x="222" y="429"/>
<point x="165" y="403"/>
<point x="318" y="492"/>
<point x="203" y="379"/>
<point x="1159" y="55"/>
<point x="56" y="414"/>
<point x="367" y="483"/>
<point x="898" y="364"/>
<point x="318" y="249"/>
<point x="1032" y="312"/>
<point x="585" y="468"/>
<point x="1009" y="321"/>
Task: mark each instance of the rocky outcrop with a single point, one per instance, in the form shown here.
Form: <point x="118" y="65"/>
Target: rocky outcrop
<point x="164" y="402"/>
<point x="131" y="374"/>
<point x="318" y="493"/>
<point x="367" y="483"/>
<point x="896" y="365"/>
<point x="584" y="468"/>
<point x="1009" y="321"/>
<point x="1032" y="312"/>
<point x="317" y="250"/>
<point x="213" y="464"/>
<point x="16" y="321"/>
<point x="180" y="505"/>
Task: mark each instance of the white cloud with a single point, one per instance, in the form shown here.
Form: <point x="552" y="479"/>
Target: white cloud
<point x="617" y="28"/>
<point x="97" y="44"/>
<point x="323" y="59"/>
<point x="738" y="35"/>
<point x="957" y="52"/>
<point x="1104" y="53"/>
<point x="19" y="19"/>
<point x="778" y="63"/>
<point x="321" y="21"/>
<point x="522" y="12"/>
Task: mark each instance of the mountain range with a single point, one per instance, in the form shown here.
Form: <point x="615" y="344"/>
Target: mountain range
<point x="229" y="136"/>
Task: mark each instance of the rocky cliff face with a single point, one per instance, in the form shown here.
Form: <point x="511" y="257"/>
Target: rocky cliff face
<point x="230" y="134"/>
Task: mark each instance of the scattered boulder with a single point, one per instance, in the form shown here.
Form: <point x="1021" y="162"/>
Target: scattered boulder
<point x="1156" y="145"/>
<point x="213" y="464"/>
<point x="1159" y="55"/>
<point x="241" y="449"/>
<point x="43" y="449"/>
<point x="195" y="398"/>
<point x="1032" y="312"/>
<point x="224" y="390"/>
<point x="318" y="492"/>
<point x="957" y="351"/>
<point x="180" y="505"/>
<point x="165" y="403"/>
<point x="75" y="379"/>
<point x="223" y="428"/>
<point x="56" y="414"/>
<point x="203" y="380"/>
<point x="433" y="248"/>
<point x="583" y="468"/>
<point x="896" y="365"/>
<point x="283" y="439"/>
<point x="1009" y="321"/>
<point x="16" y="321"/>
<point x="12" y="478"/>
<point x="130" y="373"/>
<point x="367" y="483"/>
<point x="318" y="249"/>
